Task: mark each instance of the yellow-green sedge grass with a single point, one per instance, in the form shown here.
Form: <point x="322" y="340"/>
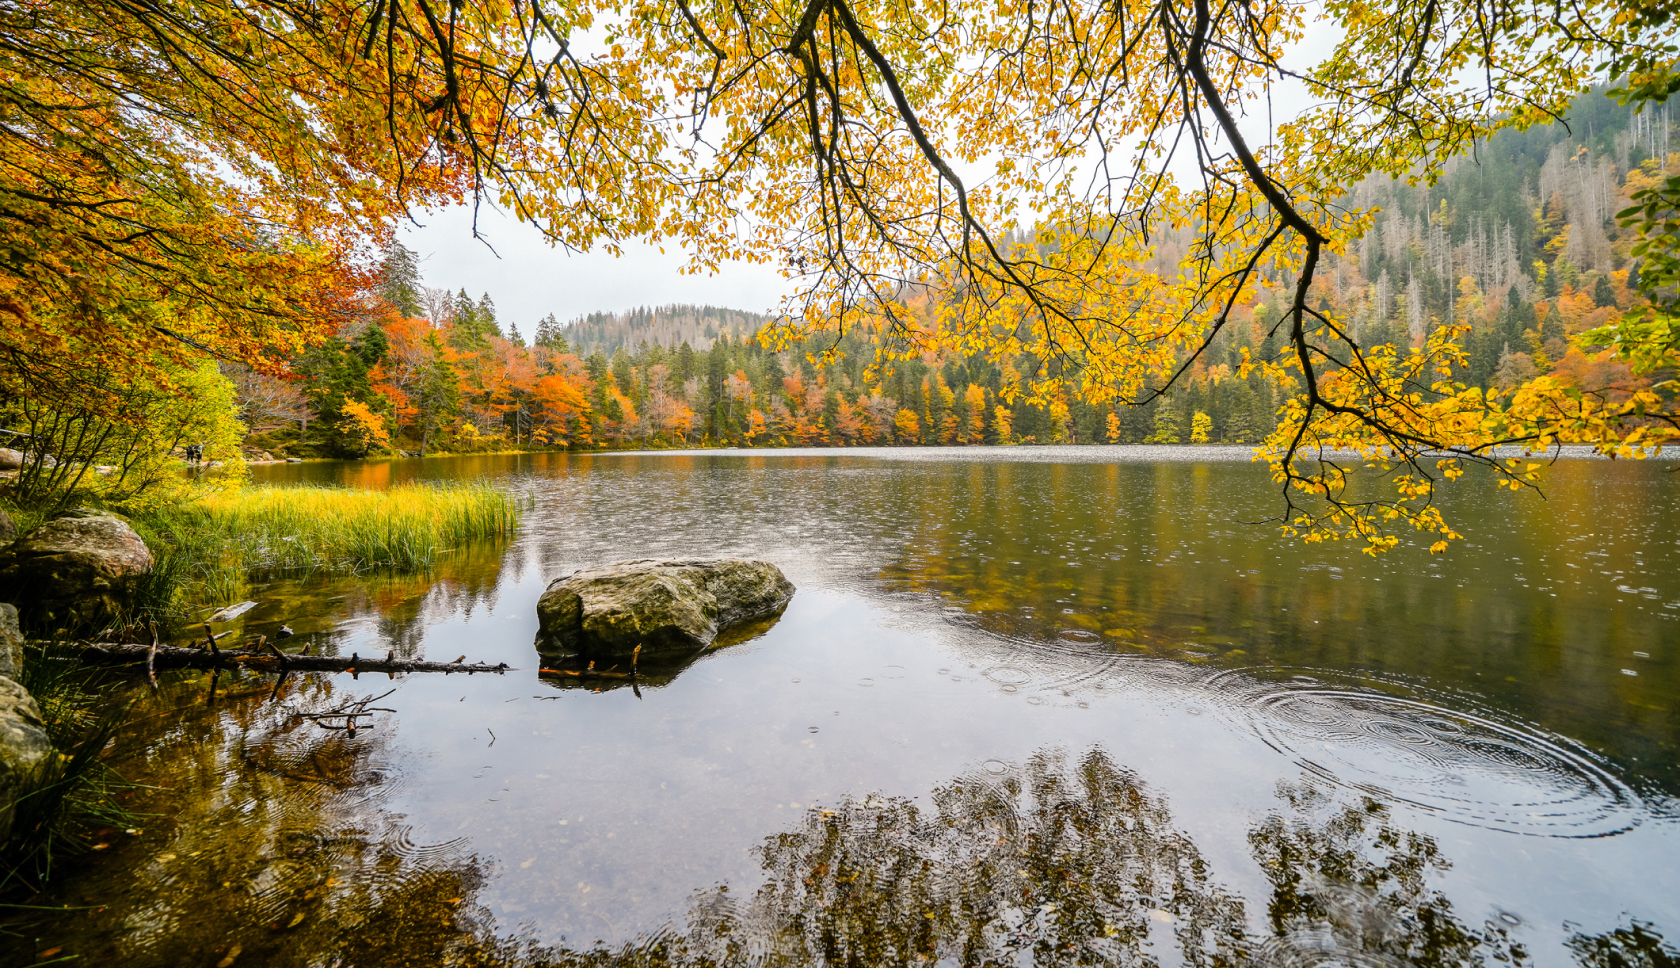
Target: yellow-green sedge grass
<point x="403" y="527"/>
<point x="208" y="547"/>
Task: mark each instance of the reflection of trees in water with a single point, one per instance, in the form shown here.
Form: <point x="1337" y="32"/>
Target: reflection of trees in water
<point x="1636" y="946"/>
<point x="1080" y="866"/>
<point x="290" y="856"/>
<point x="1083" y="866"/>
<point x="1353" y="888"/>
<point x="1055" y="866"/>
<point x="405" y="604"/>
<point x="269" y="836"/>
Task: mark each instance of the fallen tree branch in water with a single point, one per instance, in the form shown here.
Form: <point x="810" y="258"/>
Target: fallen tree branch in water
<point x="348" y="713"/>
<point x="175" y="657"/>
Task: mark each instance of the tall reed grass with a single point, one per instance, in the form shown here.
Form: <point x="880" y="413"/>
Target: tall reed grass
<point x="405" y="527"/>
<point x="206" y="550"/>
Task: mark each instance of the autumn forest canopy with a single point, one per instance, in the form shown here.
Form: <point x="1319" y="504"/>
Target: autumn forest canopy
<point x="1005" y="222"/>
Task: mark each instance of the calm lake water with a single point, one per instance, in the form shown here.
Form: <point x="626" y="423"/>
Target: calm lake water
<point x="1028" y="706"/>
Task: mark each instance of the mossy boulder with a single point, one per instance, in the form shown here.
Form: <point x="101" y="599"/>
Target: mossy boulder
<point x="11" y="642"/>
<point x="74" y="571"/>
<point x="672" y="608"/>
<point x="23" y="739"/>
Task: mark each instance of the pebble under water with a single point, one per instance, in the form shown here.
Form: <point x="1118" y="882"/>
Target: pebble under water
<point x="1028" y="706"/>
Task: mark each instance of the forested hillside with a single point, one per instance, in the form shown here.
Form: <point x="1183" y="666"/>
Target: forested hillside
<point x="1517" y="241"/>
<point x="666" y="326"/>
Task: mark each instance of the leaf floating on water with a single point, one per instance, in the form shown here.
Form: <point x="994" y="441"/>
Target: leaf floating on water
<point x="231" y="612"/>
<point x="233" y="953"/>
<point x="297" y="919"/>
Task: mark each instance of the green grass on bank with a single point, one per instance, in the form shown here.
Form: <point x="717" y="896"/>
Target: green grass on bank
<point x="405" y="527"/>
<point x="207" y="544"/>
<point x="206" y="550"/>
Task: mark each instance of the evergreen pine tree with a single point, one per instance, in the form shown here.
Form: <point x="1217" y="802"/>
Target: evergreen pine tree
<point x="487" y="324"/>
<point x="399" y="280"/>
<point x="621" y="372"/>
<point x="1603" y="295"/>
<point x="717" y="370"/>
<point x="439" y="395"/>
<point x="463" y="332"/>
<point x="683" y="369"/>
<point x="550" y="335"/>
<point x="773" y="372"/>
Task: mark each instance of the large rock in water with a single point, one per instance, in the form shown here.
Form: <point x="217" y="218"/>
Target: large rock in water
<point x="671" y="608"/>
<point x="76" y="570"/>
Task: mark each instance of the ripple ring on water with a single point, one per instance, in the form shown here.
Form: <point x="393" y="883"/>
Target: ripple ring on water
<point x="1006" y="676"/>
<point x="1469" y="768"/>
<point x="403" y="845"/>
<point x="1318" y="947"/>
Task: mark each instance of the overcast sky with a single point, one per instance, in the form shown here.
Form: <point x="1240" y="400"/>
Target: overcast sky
<point x="528" y="279"/>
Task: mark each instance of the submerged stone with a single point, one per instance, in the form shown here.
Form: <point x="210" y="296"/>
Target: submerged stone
<point x="671" y="608"/>
<point x="75" y="570"/>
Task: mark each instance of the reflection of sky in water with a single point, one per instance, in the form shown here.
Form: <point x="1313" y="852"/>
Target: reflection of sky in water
<point x="965" y="618"/>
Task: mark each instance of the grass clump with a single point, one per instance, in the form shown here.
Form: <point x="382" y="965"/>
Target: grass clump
<point x="405" y="527"/>
<point x="74" y="795"/>
<point x="207" y="549"/>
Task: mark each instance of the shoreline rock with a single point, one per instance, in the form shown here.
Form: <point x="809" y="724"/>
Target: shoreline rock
<point x="23" y="738"/>
<point x="78" y="569"/>
<point x="672" y="608"/>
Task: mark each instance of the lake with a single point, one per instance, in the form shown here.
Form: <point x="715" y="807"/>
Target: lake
<point x="1028" y="706"/>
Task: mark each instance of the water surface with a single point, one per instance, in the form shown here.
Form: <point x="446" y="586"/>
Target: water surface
<point x="1029" y="705"/>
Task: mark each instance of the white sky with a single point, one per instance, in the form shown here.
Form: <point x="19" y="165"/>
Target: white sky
<point x="528" y="279"/>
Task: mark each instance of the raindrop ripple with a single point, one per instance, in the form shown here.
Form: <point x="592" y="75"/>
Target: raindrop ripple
<point x="1464" y="766"/>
